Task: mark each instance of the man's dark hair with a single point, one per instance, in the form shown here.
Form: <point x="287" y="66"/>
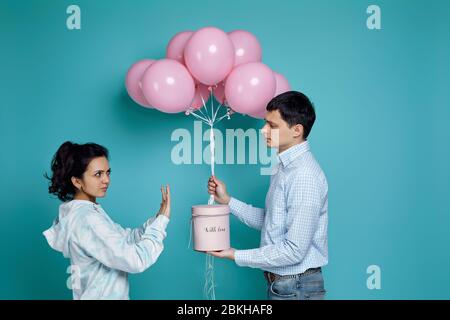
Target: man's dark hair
<point x="295" y="108"/>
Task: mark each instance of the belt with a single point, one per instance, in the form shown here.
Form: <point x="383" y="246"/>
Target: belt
<point x="271" y="277"/>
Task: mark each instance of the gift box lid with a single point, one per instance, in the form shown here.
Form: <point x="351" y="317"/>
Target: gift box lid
<point x="210" y="210"/>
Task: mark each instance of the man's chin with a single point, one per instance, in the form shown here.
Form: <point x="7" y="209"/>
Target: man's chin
<point x="270" y="144"/>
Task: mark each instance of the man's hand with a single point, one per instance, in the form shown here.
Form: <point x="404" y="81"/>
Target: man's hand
<point x="227" y="253"/>
<point x="218" y="189"/>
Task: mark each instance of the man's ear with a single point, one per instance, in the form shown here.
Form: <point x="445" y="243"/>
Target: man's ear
<point x="76" y="182"/>
<point x="298" y="130"/>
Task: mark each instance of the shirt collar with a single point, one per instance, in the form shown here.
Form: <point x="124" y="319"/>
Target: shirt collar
<point x="95" y="204"/>
<point x="289" y="155"/>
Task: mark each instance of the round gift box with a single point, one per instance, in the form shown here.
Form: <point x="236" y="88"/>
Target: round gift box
<point x="211" y="227"/>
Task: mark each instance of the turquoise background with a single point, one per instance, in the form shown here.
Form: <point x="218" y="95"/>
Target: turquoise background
<point x="382" y="137"/>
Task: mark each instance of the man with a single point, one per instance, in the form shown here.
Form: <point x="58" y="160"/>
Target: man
<point x="294" y="241"/>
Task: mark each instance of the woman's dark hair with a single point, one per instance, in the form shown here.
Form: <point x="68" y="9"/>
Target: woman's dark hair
<point x="295" y="108"/>
<point x="71" y="160"/>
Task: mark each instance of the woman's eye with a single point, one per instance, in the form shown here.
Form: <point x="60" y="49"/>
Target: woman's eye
<point x="98" y="174"/>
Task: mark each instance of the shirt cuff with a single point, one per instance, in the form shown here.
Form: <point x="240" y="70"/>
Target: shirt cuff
<point x="242" y="258"/>
<point x="234" y="205"/>
<point x="148" y="222"/>
<point x="160" y="222"/>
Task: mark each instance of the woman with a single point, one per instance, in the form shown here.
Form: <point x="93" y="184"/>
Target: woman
<point x="102" y="253"/>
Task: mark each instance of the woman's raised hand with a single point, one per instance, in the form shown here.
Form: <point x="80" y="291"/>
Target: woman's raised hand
<point x="165" y="201"/>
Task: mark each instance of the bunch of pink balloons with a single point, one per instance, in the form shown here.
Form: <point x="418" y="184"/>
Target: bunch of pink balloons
<point x="207" y="60"/>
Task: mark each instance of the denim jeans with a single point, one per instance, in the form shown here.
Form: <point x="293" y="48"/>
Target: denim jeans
<point x="308" y="287"/>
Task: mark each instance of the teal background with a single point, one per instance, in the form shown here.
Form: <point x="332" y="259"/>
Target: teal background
<point x="382" y="137"/>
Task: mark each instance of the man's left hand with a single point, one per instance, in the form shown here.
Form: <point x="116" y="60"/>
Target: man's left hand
<point x="227" y="253"/>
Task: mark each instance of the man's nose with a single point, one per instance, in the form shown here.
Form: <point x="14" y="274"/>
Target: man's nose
<point x="264" y="129"/>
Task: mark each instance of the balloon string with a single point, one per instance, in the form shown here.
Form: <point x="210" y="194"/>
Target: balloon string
<point x="200" y="117"/>
<point x="190" y="232"/>
<point x="209" y="288"/>
<point x="222" y="117"/>
<point x="200" y="110"/>
<point x="210" y="121"/>
<point x="215" y="114"/>
<point x="206" y="109"/>
<point x="212" y="105"/>
<point x="211" y="148"/>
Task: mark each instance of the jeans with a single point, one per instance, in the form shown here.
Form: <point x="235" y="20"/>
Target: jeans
<point x="300" y="287"/>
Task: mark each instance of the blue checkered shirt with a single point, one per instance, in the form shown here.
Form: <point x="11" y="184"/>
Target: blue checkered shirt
<point x="295" y="219"/>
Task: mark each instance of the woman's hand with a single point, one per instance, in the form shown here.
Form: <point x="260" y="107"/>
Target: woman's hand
<point x="165" y="202"/>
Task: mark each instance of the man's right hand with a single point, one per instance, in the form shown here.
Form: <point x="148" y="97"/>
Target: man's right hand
<point x="218" y="189"/>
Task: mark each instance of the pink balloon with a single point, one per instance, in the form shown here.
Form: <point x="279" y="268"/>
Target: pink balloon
<point x="175" y="48"/>
<point x="282" y="84"/>
<point x="246" y="47"/>
<point x="209" y="55"/>
<point x="133" y="79"/>
<point x="259" y="114"/>
<point x="250" y="87"/>
<point x="168" y="86"/>
<point x="219" y="92"/>
<point x="201" y="91"/>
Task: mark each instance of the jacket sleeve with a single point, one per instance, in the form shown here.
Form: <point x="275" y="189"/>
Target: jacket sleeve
<point x="102" y="240"/>
<point x="134" y="234"/>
